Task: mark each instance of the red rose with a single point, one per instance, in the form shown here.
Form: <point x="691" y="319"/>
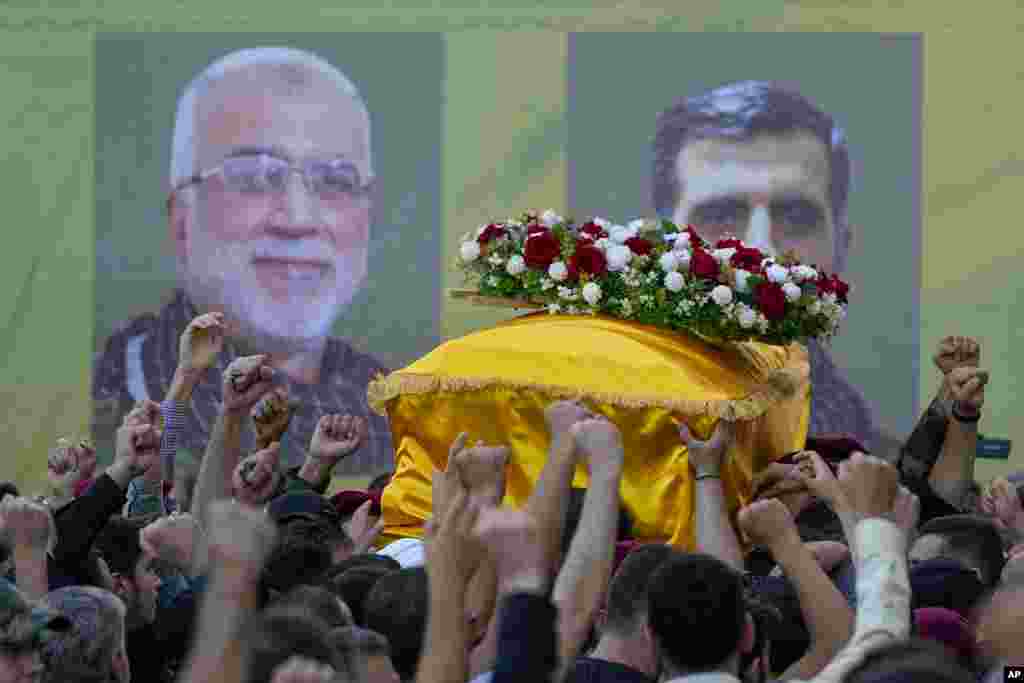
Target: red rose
<point x="747" y="258"/>
<point x="542" y="249"/>
<point x="832" y="284"/>
<point x="587" y="259"/>
<point x="639" y="246"/>
<point x="535" y="227"/>
<point x="703" y="264"/>
<point x="695" y="240"/>
<point x="491" y="232"/>
<point x="770" y="300"/>
<point x="731" y="243"/>
<point x="593" y="230"/>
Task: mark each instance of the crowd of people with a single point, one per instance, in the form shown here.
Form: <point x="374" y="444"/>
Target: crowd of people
<point x="845" y="566"/>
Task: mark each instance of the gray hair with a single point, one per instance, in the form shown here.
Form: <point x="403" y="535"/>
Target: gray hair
<point x="294" y="65"/>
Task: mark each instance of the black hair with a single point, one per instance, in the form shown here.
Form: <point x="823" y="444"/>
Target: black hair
<point x="397" y="609"/>
<point x="317" y="601"/>
<point x="278" y="634"/>
<point x="696" y="598"/>
<point x="627" y="591"/>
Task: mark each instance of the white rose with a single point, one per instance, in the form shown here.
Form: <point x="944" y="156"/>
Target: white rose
<point x="723" y="255"/>
<point x="515" y="265"/>
<point x="721" y="295"/>
<point x="469" y="251"/>
<point x="792" y="292"/>
<point x="671" y="237"/>
<point x="550" y="218"/>
<point x="566" y="293"/>
<point x="742" y="284"/>
<point x="558" y="271"/>
<point x="592" y="293"/>
<point x="603" y="244"/>
<point x="636" y="224"/>
<point x="778" y="274"/>
<point x="684" y="256"/>
<point x="602" y="223"/>
<point x="554" y="308"/>
<point x="804" y="273"/>
<point x="572" y="310"/>
<point x="747" y="317"/>
<point x="546" y="284"/>
<point x="620" y="234"/>
<point x="618" y="256"/>
<point x="674" y="281"/>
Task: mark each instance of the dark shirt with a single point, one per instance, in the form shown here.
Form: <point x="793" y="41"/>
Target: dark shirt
<point x="527" y="644"/>
<point x="138" y="361"/>
<point x="591" y="670"/>
<point x="78" y="524"/>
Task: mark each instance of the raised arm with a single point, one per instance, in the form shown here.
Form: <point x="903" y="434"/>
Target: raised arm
<point x="825" y="610"/>
<point x="583" y="579"/>
<point x="715" y="533"/>
<point x="952" y="477"/>
<point x="336" y="437"/>
<point x="245" y="381"/>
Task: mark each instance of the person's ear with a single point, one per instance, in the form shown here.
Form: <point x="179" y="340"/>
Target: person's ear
<point x="179" y="213"/>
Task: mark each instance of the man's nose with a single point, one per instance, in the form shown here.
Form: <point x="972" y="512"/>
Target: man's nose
<point x="300" y="210"/>
<point x="759" y="231"/>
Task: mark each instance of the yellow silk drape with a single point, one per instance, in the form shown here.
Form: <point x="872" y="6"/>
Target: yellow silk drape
<point x="496" y="383"/>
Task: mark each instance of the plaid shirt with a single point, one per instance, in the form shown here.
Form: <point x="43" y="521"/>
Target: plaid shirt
<point x="138" y="361"/>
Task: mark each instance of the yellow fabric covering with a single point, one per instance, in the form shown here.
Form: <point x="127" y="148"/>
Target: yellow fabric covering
<point x="496" y="383"/>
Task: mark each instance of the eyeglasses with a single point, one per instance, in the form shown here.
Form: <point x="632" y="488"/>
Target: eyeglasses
<point x="264" y="174"/>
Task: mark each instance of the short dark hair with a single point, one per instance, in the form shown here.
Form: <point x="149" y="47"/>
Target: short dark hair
<point x="318" y="601"/>
<point x="295" y="564"/>
<point x="627" y="591"/>
<point x="118" y="544"/>
<point x="321" y="531"/>
<point x="910" y="661"/>
<point x="278" y="634"/>
<point x="353" y="579"/>
<point x="971" y="538"/>
<point x="397" y="609"/>
<point x="738" y="111"/>
<point x="696" y="598"/>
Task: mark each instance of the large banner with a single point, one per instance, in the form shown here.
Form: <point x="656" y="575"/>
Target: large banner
<point x="284" y="180"/>
<point x="746" y="135"/>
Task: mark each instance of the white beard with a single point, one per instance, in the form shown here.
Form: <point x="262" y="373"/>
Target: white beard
<point x="220" y="276"/>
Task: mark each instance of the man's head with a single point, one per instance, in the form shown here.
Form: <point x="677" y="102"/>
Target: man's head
<point x="277" y="634"/>
<point x="758" y="161"/>
<point x="93" y="649"/>
<point x="23" y="631"/>
<point x="280" y="255"/>
<point x="397" y="609"/>
<point x="692" y="599"/>
<point x="970" y="540"/>
<point x="135" y="579"/>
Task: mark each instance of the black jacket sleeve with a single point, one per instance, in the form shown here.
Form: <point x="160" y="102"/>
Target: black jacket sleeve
<point x="81" y="521"/>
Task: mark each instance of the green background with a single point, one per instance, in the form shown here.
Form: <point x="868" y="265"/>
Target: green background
<point x="396" y="314"/>
<point x="504" y="96"/>
<point x="619" y="82"/>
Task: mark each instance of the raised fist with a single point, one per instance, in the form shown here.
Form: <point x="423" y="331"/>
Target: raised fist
<point x="562" y="415"/>
<point x="240" y="535"/>
<point x="201" y="342"/>
<point x="271" y="416"/>
<point x="768" y="523"/>
<point x="338" y="436"/>
<point x="481" y="469"/>
<point x="710" y="455"/>
<point x="258" y="476"/>
<point x="600" y="441"/>
<point x="956" y="352"/>
<point x="966" y="386"/>
<point x="246" y="380"/>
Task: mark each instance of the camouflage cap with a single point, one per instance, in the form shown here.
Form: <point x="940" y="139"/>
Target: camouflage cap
<point x="21" y="624"/>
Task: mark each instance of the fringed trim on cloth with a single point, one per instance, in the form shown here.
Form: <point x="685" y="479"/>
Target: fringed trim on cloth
<point x="778" y="385"/>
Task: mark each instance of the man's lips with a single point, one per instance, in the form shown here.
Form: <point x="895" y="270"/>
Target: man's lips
<point x="305" y="264"/>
